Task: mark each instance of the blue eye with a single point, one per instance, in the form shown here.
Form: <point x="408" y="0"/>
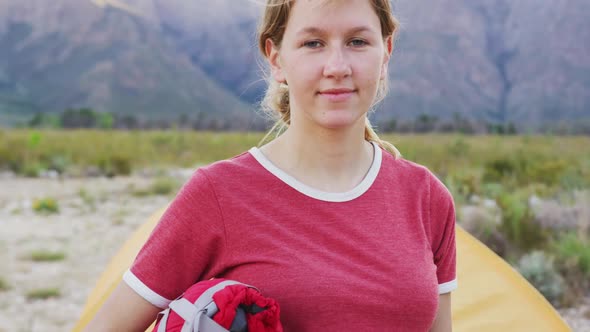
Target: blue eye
<point x="358" y="42"/>
<point x="312" y="44"/>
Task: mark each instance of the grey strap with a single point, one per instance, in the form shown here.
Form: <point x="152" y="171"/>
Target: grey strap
<point x="197" y="316"/>
<point x="207" y="296"/>
<point x="185" y="309"/>
<point x="164" y="320"/>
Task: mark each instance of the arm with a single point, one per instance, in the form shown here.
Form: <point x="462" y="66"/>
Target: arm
<point x="124" y="310"/>
<point x="442" y="322"/>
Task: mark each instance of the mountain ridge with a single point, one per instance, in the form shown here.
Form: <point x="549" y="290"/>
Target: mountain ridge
<point x="494" y="61"/>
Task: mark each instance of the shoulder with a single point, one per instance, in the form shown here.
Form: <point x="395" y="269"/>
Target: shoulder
<point x="232" y="171"/>
<point x="415" y="176"/>
<point x="410" y="171"/>
<point x="241" y="162"/>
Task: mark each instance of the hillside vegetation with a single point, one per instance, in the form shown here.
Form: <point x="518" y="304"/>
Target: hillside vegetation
<point x="526" y="197"/>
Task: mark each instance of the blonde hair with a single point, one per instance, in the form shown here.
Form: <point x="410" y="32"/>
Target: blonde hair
<point x="276" y="99"/>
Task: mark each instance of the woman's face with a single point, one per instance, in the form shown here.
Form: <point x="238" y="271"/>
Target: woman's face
<point x="332" y="57"/>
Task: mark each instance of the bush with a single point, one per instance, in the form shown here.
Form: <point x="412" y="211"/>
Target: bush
<point x="32" y="170"/>
<point x="4" y="285"/>
<point x="115" y="165"/>
<point x="517" y="222"/>
<point x="45" y="206"/>
<point x="538" y="269"/>
<point x="464" y="183"/>
<point x="58" y="163"/>
<point x="47" y="256"/>
<point x="43" y="293"/>
<point x="160" y="186"/>
<point x="573" y="250"/>
<point x="525" y="169"/>
<point x="548" y="172"/>
<point x="499" y="169"/>
<point x="164" y="186"/>
<point x="459" y="148"/>
<point x="492" y="190"/>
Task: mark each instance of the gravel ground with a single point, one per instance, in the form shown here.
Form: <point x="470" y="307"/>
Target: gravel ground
<point x="96" y="215"/>
<point x="89" y="230"/>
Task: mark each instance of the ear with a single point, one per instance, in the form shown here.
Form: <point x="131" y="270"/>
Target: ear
<point x="272" y="55"/>
<point x="388" y="43"/>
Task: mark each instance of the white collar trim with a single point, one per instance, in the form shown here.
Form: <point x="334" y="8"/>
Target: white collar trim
<point x="355" y="192"/>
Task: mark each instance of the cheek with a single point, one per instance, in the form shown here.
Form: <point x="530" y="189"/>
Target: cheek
<point x="303" y="76"/>
<point x="369" y="77"/>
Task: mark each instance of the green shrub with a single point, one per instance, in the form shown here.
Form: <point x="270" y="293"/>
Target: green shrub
<point x="58" y="162"/>
<point x="573" y="179"/>
<point x="115" y="165"/>
<point x="539" y="270"/>
<point x="517" y="222"/>
<point x="526" y="168"/>
<point x="43" y="293"/>
<point x="45" y="206"/>
<point x="87" y="198"/>
<point x="492" y="190"/>
<point x="32" y="170"/>
<point x="466" y="183"/>
<point x="164" y="186"/>
<point x="573" y="250"/>
<point x="548" y="172"/>
<point x="459" y="148"/>
<point x="499" y="169"/>
<point x="4" y="285"/>
<point x="160" y="186"/>
<point x="47" y="256"/>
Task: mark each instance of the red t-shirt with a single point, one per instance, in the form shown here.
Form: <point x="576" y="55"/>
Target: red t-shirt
<point x="372" y="259"/>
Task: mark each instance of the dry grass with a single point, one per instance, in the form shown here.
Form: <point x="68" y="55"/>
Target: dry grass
<point x="47" y="256"/>
<point x="43" y="293"/>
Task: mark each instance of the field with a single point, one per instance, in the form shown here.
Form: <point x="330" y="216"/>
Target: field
<point x="526" y="197"/>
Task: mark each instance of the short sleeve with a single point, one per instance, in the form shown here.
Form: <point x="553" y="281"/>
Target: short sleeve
<point x="183" y="248"/>
<point x="443" y="244"/>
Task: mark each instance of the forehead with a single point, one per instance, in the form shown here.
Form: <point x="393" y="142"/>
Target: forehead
<point x="318" y="16"/>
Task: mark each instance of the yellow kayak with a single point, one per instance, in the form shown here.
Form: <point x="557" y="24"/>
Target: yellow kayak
<point x="491" y="296"/>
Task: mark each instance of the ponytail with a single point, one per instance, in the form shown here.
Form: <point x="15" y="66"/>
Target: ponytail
<point x="371" y="135"/>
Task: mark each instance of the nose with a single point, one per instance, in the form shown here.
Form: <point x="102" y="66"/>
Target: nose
<point x="336" y="65"/>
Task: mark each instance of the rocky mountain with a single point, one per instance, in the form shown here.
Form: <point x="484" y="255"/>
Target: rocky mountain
<point x="501" y="61"/>
<point x="73" y="53"/>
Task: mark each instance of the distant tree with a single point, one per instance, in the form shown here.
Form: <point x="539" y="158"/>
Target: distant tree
<point x="79" y="118"/>
<point x="105" y="120"/>
<point x="462" y="124"/>
<point x="199" y="122"/>
<point x="425" y="123"/>
<point x="511" y="129"/>
<point x="447" y="127"/>
<point x="37" y="120"/>
<point x="162" y="124"/>
<point x="389" y="126"/>
<point x="44" y="120"/>
<point x="502" y="129"/>
<point x="184" y="121"/>
<point x="128" y="121"/>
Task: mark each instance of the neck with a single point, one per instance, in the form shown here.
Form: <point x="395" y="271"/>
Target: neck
<point x="328" y="160"/>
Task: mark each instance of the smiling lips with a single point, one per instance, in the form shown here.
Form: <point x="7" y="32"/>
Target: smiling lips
<point x="337" y="95"/>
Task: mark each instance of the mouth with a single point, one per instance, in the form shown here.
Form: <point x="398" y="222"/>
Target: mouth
<point x="337" y="95"/>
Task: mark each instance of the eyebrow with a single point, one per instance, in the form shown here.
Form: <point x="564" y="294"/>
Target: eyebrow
<point x="315" y="30"/>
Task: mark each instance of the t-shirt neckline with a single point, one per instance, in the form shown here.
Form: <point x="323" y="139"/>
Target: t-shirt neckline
<point x="355" y="192"/>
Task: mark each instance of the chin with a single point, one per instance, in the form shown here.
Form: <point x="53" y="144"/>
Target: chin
<point x="339" y="120"/>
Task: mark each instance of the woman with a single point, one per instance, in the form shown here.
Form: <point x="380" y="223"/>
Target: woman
<point x="327" y="218"/>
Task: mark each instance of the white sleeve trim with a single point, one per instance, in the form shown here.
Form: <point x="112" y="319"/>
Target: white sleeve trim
<point x="448" y="286"/>
<point x="144" y="291"/>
